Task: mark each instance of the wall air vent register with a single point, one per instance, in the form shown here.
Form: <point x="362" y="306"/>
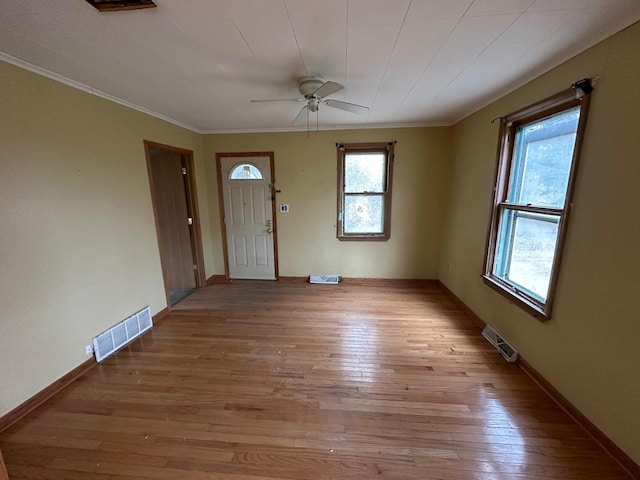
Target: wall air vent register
<point x="122" y="334"/>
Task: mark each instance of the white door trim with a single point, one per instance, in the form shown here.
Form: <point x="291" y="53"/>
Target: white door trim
<point x="222" y="199"/>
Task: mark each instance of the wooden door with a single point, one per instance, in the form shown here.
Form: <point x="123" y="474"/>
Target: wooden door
<point x="247" y="187"/>
<point x="169" y="172"/>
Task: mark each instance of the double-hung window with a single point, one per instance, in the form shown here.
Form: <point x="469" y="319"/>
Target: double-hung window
<point x="364" y="190"/>
<point x="537" y="160"/>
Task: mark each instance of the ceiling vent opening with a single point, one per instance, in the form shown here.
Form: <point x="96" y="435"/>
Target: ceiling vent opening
<point x="116" y="5"/>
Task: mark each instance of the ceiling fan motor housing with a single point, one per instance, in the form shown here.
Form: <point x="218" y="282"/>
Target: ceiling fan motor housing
<point x="308" y="85"/>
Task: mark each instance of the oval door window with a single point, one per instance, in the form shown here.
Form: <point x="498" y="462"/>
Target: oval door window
<point x="245" y="171"/>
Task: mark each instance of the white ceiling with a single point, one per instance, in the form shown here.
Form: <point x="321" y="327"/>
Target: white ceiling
<point x="199" y="62"/>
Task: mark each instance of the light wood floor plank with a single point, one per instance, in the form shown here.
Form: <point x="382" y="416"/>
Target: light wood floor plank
<point x="285" y="380"/>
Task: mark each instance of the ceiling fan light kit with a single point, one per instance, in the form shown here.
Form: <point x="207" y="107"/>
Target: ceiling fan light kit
<point x="314" y="90"/>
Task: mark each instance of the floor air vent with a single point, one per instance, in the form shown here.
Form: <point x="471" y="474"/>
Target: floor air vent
<point x="507" y="351"/>
<point x="122" y="333"/>
<point x="325" y="279"/>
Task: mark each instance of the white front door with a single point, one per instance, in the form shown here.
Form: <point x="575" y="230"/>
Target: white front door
<point x="248" y="216"/>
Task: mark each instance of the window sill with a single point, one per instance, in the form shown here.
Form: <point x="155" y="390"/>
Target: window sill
<point x="523" y="302"/>
<point x="363" y="238"/>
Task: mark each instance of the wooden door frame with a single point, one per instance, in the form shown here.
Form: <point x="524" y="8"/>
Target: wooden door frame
<point x="223" y="226"/>
<point x="3" y="470"/>
<point x="192" y="206"/>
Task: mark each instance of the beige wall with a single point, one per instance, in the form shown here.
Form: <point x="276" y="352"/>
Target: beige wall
<point x="78" y="248"/>
<point x="306" y="172"/>
<point x="589" y="349"/>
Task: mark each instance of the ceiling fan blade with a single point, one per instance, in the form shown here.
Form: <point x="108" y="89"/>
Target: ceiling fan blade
<point x="349" y="107"/>
<point x="302" y="115"/>
<point x="279" y="100"/>
<point x="327" y="88"/>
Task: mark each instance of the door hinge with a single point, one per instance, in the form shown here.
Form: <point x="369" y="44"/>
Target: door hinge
<point x="195" y="267"/>
<point x="184" y="170"/>
<point x="190" y="221"/>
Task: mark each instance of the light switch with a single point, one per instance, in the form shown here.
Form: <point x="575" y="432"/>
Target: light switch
<point x="284" y="208"/>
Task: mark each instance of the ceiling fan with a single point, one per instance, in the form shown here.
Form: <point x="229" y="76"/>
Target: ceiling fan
<point x="314" y="91"/>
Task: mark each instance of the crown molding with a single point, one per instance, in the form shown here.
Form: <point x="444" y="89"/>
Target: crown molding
<point x="372" y="126"/>
<point x="112" y="98"/>
<point x="90" y="90"/>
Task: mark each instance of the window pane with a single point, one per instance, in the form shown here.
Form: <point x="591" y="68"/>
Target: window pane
<point x="527" y="244"/>
<point x="245" y="171"/>
<point x="363" y="214"/>
<point x="542" y="160"/>
<point x="364" y="172"/>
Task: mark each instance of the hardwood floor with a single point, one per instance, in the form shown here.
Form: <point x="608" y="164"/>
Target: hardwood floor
<point x="285" y="380"/>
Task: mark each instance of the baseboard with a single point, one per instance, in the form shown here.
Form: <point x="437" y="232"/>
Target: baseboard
<point x="390" y="282"/>
<point x="615" y="452"/>
<point x="45" y="394"/>
<point x="463" y="306"/>
<point x="373" y="282"/>
<point x="213" y="279"/>
<point x="158" y="317"/>
<point x="594" y="432"/>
